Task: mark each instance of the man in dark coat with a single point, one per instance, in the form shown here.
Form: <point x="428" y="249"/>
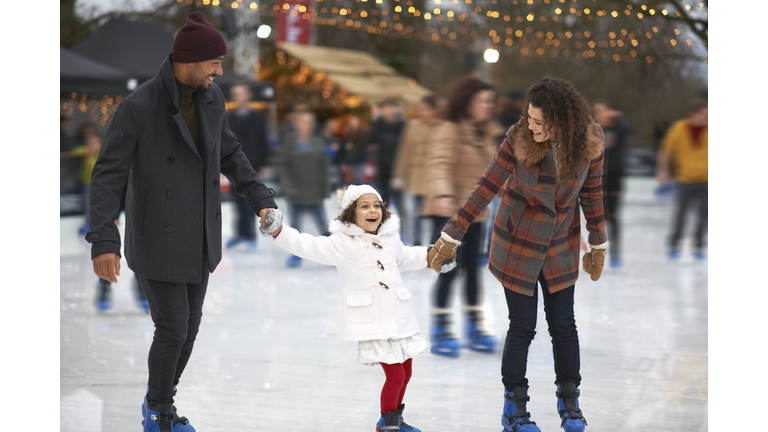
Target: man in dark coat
<point x="249" y="127"/>
<point x="170" y="141"/>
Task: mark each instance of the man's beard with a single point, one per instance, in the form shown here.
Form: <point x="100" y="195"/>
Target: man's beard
<point x="202" y="86"/>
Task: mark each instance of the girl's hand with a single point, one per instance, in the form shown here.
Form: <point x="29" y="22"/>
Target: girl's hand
<point x="276" y="233"/>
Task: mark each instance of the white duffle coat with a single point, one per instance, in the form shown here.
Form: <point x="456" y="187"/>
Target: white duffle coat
<point x="377" y="304"/>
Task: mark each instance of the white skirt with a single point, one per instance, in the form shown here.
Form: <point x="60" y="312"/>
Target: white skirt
<point x="390" y="351"/>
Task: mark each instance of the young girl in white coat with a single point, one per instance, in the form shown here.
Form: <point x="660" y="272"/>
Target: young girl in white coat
<point x="365" y="247"/>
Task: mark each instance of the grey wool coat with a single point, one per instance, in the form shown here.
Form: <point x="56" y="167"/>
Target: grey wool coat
<point x="174" y="197"/>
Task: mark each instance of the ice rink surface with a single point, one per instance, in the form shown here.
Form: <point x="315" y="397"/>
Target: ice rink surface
<point x="269" y="355"/>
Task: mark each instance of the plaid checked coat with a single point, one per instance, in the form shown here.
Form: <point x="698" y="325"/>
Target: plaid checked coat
<point x="537" y="227"/>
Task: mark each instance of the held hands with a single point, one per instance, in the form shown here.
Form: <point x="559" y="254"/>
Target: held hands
<point x="271" y="222"/>
<point x="594" y="261"/>
<point x="442" y="256"/>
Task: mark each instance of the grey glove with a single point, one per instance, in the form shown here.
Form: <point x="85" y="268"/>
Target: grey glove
<point x="273" y="221"/>
<point x="448" y="264"/>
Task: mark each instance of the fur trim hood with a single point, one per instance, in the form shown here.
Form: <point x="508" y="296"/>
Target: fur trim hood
<point x="530" y="152"/>
<point x="390" y="226"/>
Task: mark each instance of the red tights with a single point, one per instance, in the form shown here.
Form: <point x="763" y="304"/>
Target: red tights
<point x="398" y="375"/>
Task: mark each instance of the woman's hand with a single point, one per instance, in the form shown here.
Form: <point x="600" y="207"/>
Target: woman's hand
<point x="443" y="250"/>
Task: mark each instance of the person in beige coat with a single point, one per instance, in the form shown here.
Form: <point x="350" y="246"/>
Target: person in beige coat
<point x="410" y="162"/>
<point x="457" y="154"/>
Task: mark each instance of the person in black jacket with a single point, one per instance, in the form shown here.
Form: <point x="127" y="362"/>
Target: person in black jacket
<point x="385" y="134"/>
<point x="170" y="141"/>
<point x="616" y="129"/>
<point x="249" y="127"/>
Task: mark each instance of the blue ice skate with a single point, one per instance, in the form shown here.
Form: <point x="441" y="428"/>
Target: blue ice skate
<point x="155" y="421"/>
<point x="673" y="255"/>
<point x="178" y="424"/>
<point x="293" y="261"/>
<point x="405" y="427"/>
<point x="699" y="256"/>
<point x="234" y="241"/>
<point x="443" y="343"/>
<point x="515" y="418"/>
<point x="479" y="340"/>
<point x="389" y="421"/>
<point x="568" y="408"/>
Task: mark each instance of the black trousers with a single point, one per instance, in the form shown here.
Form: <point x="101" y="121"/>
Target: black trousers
<point x="612" y="191"/>
<point x="466" y="258"/>
<point x="688" y="194"/>
<point x="522" y="328"/>
<point x="246" y="220"/>
<point x="176" y="310"/>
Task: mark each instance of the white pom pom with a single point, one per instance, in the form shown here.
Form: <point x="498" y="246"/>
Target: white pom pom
<point x="340" y="196"/>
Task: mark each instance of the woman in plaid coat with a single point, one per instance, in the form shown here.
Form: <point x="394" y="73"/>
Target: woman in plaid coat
<point x="550" y="163"/>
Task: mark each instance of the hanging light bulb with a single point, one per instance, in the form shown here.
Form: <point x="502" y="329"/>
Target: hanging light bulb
<point x="491" y="55"/>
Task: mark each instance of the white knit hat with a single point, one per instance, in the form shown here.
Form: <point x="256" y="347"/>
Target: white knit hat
<point x="348" y="196"/>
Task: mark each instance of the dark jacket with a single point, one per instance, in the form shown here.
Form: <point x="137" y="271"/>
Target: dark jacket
<point x="304" y="172"/>
<point x="174" y="197"/>
<point x="615" y="145"/>
<point x="387" y="137"/>
<point x="251" y="131"/>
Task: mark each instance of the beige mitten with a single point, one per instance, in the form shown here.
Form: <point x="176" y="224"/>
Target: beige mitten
<point x="444" y="249"/>
<point x="594" y="261"/>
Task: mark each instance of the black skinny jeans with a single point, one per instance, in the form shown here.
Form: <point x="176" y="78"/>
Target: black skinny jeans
<point x="466" y="258"/>
<point x="176" y="310"/>
<point x="522" y="328"/>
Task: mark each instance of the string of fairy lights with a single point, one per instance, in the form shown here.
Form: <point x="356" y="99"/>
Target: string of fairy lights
<point x="512" y="33"/>
<point x="100" y="107"/>
<point x="525" y="40"/>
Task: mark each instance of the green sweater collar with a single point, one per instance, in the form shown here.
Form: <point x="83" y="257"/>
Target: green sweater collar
<point x="186" y="92"/>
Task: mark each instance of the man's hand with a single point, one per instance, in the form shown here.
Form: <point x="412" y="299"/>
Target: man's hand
<point x="263" y="214"/>
<point x="106" y="266"/>
<point x="271" y="222"/>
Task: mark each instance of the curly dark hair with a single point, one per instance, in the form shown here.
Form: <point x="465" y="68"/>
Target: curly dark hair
<point x="566" y="119"/>
<point x="461" y="95"/>
<point x="347" y="216"/>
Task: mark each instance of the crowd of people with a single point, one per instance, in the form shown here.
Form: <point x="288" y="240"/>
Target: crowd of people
<point x="512" y="197"/>
<point x="418" y="164"/>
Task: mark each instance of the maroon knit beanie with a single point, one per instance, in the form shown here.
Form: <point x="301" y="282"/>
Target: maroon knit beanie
<point x="197" y="41"/>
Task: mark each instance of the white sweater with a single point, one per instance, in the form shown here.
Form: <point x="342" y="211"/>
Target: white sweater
<point x="376" y="303"/>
